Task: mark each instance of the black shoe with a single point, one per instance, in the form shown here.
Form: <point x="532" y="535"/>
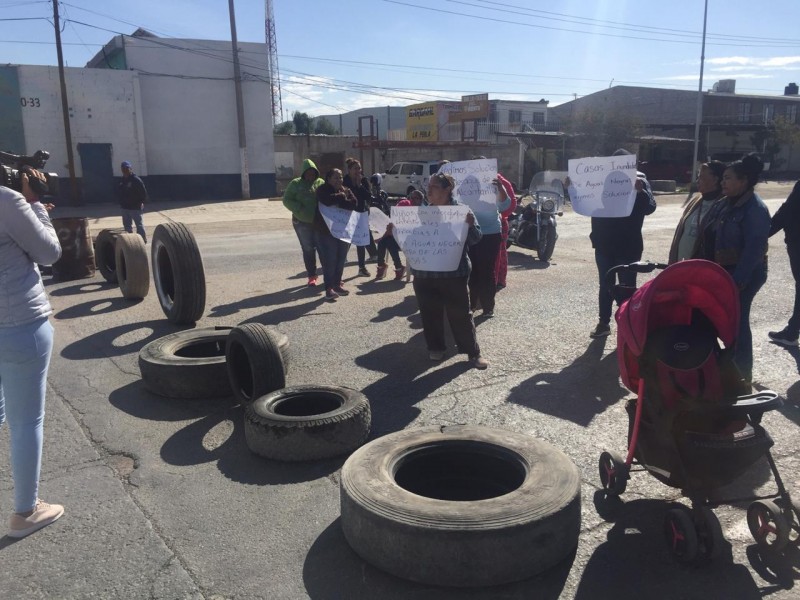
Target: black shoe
<point x="783" y="337"/>
<point x="602" y="330"/>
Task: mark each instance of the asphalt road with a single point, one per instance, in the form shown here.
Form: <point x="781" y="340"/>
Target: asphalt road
<point x="164" y="500"/>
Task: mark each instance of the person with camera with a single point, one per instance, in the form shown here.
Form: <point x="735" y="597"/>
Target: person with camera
<point x="26" y="341"/>
<point x="132" y="196"/>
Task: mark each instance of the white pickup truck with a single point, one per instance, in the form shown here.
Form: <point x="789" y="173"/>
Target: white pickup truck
<point x="403" y="177"/>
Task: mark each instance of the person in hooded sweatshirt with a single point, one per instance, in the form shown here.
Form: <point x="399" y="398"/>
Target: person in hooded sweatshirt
<point x="300" y="197"/>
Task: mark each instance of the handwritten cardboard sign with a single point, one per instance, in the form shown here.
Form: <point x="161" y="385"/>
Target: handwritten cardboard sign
<point x="346" y="225"/>
<point x="378" y="220"/>
<point x="474" y="183"/>
<point x="432" y="237"/>
<point x="603" y="186"/>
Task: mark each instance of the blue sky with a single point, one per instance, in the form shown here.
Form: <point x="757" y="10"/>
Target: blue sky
<point x="337" y="55"/>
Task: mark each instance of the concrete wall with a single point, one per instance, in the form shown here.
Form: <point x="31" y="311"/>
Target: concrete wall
<point x="102" y="109"/>
<point x="386" y="117"/>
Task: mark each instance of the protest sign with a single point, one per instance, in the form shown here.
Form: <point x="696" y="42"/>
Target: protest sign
<point x="474" y="183"/>
<point x="378" y="222"/>
<point x="346" y="225"/>
<point x="432" y="237"/>
<point x="603" y="186"/>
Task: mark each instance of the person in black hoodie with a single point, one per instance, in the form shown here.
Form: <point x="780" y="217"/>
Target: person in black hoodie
<point x="788" y="219"/>
<point x="618" y="241"/>
<point x="132" y="196"/>
<point x="360" y="187"/>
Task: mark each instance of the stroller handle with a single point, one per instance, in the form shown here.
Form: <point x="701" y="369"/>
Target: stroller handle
<point x="622" y="292"/>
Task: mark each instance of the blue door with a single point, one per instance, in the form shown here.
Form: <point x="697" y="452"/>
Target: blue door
<point x="98" y="174"/>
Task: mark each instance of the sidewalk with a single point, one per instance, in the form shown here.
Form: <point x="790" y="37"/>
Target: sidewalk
<point x="106" y="216"/>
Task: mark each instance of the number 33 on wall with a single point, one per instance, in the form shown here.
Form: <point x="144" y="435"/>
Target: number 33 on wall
<point x="32" y="102"/>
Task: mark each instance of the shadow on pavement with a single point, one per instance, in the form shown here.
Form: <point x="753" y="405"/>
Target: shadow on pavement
<point x="520" y="260"/>
<point x="96" y="307"/>
<point x="634" y="562"/>
<point x="405" y="308"/>
<point x="220" y="437"/>
<point x="779" y="570"/>
<point x="113" y="341"/>
<point x="565" y="394"/>
<point x="135" y="400"/>
<point x="791" y="406"/>
<point x="82" y="288"/>
<point x="333" y="571"/>
<point x="410" y="377"/>
<point x="267" y="300"/>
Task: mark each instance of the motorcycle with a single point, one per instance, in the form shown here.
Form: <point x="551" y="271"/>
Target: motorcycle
<point x="533" y="225"/>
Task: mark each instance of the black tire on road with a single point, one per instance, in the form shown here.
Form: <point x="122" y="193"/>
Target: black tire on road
<point x="460" y="506"/>
<point x="307" y="422"/>
<point x="133" y="272"/>
<point x="187" y="364"/>
<point x="104" y="253"/>
<point x="255" y="362"/>
<point x="547" y="242"/>
<point x="178" y="273"/>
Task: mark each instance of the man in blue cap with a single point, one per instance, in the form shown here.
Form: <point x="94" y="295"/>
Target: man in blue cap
<point x="132" y="196"/>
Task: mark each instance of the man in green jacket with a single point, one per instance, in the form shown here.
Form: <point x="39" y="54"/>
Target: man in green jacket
<point x="300" y="197"/>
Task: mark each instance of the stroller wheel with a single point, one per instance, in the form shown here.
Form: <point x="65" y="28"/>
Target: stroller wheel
<point x="681" y="535"/>
<point x="614" y="473"/>
<point x="791" y="513"/>
<point x="768" y="525"/>
<point x="709" y="533"/>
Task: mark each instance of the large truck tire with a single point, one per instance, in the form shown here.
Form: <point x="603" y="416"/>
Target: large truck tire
<point x="133" y="272"/>
<point x="104" y="253"/>
<point x="255" y="361"/>
<point x="178" y="273"/>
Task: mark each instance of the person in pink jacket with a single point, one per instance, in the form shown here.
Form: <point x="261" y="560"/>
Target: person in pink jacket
<point x="502" y="257"/>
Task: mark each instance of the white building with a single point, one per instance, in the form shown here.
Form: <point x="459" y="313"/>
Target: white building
<point x="166" y="105"/>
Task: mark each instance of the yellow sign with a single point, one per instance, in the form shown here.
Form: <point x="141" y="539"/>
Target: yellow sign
<point x="422" y="123"/>
<point x="472" y="108"/>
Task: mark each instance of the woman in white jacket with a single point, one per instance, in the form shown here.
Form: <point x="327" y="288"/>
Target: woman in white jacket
<point x="26" y="341"/>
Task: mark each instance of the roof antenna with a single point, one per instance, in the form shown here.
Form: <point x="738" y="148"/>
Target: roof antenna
<point x="610" y="83"/>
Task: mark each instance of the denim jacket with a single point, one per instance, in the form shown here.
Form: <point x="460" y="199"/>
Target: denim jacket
<point x="740" y="232"/>
<point x="26" y="237"/>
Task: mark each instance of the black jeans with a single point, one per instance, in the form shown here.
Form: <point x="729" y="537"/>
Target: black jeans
<point x="483" y="279"/>
<point x="387" y="242"/>
<point x="446" y="295"/>
<point x="605" y="261"/>
<point x="794" y="262"/>
<point x="362" y="250"/>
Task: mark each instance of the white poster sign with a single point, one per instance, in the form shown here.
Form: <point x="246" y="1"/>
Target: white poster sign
<point x="474" y="183"/>
<point x="432" y="237"/>
<point x="378" y="220"/>
<point x="603" y="186"/>
<point x="346" y="225"/>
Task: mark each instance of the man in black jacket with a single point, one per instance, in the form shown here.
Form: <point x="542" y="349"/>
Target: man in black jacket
<point x="132" y="196"/>
<point x="788" y="219"/>
<point x="618" y="241"/>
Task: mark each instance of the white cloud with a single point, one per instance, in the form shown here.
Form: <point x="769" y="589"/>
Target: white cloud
<point x="774" y="62"/>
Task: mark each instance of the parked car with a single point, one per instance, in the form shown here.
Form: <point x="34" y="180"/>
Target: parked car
<point x="404" y="177"/>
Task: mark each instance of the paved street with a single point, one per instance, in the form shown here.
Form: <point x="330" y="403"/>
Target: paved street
<point x="164" y="500"/>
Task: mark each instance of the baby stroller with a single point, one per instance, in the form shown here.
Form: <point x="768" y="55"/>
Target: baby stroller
<point x="688" y="426"/>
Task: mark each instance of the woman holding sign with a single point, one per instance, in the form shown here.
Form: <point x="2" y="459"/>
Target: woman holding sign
<point x="446" y="292"/>
<point x="332" y="251"/>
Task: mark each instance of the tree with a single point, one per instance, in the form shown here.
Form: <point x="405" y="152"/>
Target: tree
<point x="302" y="122"/>
<point x="600" y="133"/>
<point x="284" y="128"/>
<point x="770" y="141"/>
<point x="325" y="127"/>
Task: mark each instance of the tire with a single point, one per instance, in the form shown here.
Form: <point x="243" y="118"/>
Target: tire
<point x="768" y="525"/>
<point x="255" y="363"/>
<point x="461" y="506"/>
<point x="547" y="243"/>
<point x="709" y="533"/>
<point x="307" y="422"/>
<point x="133" y="272"/>
<point x="681" y="534"/>
<point x="614" y="473"/>
<point x="104" y="253"/>
<point x="178" y="273"/>
<point x="187" y="364"/>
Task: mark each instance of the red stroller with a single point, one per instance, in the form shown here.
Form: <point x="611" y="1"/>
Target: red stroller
<point x="688" y="426"/>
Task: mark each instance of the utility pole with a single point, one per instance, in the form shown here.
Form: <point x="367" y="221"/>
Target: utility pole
<point x="237" y="79"/>
<point x="699" y="116"/>
<point x="73" y="183"/>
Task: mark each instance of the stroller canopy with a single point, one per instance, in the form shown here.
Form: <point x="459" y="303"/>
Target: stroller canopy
<point x="669" y="299"/>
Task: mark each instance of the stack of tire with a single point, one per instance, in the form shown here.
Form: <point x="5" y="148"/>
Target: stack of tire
<point x="249" y="363"/>
<point x="177" y="265"/>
